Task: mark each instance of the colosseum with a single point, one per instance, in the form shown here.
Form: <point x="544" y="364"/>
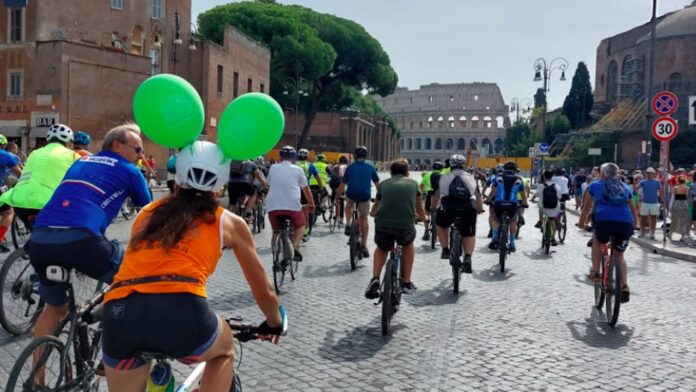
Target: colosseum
<point x="438" y="120"/>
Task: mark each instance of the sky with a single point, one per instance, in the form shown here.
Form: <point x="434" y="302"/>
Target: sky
<point x="453" y="41"/>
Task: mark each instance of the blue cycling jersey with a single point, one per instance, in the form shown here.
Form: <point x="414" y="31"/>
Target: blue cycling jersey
<point x="92" y="192"/>
<point x="358" y="178"/>
<point x="507" y="187"/>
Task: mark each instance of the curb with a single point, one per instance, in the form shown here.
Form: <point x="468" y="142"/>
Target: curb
<point x="656" y="248"/>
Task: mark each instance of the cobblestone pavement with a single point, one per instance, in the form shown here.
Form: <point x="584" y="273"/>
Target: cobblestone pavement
<point x="533" y="328"/>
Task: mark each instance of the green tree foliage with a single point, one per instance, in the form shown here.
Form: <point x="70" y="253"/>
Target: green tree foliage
<point x="335" y="56"/>
<point x="540" y="98"/>
<point x="554" y="126"/>
<point x="519" y="138"/>
<point x="579" y="101"/>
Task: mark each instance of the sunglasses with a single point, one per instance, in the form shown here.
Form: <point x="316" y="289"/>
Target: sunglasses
<point x="138" y="150"/>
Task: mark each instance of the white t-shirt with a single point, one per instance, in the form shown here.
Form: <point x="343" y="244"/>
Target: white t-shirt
<point x="539" y="194"/>
<point x="562" y="183"/>
<point x="285" y="183"/>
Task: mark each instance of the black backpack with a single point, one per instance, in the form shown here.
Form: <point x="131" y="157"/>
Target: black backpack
<point x="459" y="198"/>
<point x="550" y="196"/>
<point x="236" y="168"/>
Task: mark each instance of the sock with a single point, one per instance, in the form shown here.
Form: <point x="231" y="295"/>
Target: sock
<point x="3" y="231"/>
<point x="512" y="239"/>
<point x="466" y="256"/>
<point x="495" y="234"/>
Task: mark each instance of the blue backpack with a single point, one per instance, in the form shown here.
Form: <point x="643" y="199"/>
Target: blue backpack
<point x="614" y="193"/>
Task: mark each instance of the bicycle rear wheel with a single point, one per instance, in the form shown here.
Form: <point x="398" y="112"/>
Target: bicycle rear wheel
<point x="353" y="244"/>
<point x="387" y="295"/>
<point x="433" y="230"/>
<point x="20" y="233"/>
<point x="455" y="260"/>
<point x="503" y="247"/>
<point x="127" y="209"/>
<point x="278" y="263"/>
<point x="598" y="289"/>
<point x="20" y="304"/>
<point x="547" y="237"/>
<point x="613" y="292"/>
<point x="332" y="220"/>
<point x="293" y="265"/>
<point x="562" y="228"/>
<point x="52" y="369"/>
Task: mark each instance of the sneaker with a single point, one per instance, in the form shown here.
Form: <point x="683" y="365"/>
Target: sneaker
<point x="346" y="231"/>
<point x="305" y="238"/>
<point x="466" y="267"/>
<point x="408" y="288"/>
<point x="490" y="233"/>
<point x="589" y="243"/>
<point x="298" y="255"/>
<point x="340" y="223"/>
<point x="521" y="222"/>
<point x="652" y="236"/>
<point x="426" y="235"/>
<point x="493" y="245"/>
<point x="365" y="252"/>
<point x="554" y="242"/>
<point x="594" y="277"/>
<point x="445" y="253"/>
<point x="4" y="248"/>
<point x="538" y="225"/>
<point x="625" y="294"/>
<point x="372" y="291"/>
<point x="512" y="248"/>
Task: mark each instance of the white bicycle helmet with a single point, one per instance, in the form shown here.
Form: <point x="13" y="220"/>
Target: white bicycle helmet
<point x="59" y="132"/>
<point x="202" y="166"/>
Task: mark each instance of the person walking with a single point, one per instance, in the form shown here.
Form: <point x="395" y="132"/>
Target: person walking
<point x="652" y="193"/>
<point x="679" y="210"/>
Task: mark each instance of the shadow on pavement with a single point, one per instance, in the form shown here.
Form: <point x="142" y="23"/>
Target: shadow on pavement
<point x="233" y="301"/>
<point x="580" y="278"/>
<point x="596" y="332"/>
<point x="359" y="344"/>
<point x="440" y="295"/>
<point x="339" y="269"/>
<point x="492" y="274"/>
<point x="425" y="248"/>
<point x="538" y="255"/>
<point x="265" y="250"/>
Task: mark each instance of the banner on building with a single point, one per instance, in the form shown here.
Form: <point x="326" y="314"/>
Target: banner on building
<point x="15" y="3"/>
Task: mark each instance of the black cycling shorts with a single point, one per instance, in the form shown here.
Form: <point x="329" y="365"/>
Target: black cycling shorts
<point x="385" y="238"/>
<point x="27" y="216"/>
<point x="619" y="233"/>
<point x="466" y="224"/>
<point x="180" y="325"/>
<point x="236" y="190"/>
<point x="4" y="206"/>
<point x="507" y="208"/>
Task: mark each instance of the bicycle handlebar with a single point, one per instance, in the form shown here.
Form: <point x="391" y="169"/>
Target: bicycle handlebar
<point x="247" y="332"/>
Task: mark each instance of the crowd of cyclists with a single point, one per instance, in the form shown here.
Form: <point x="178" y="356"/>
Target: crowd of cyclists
<point x="68" y="197"/>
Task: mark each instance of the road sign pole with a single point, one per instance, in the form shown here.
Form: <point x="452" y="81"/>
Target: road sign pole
<point x="664" y="164"/>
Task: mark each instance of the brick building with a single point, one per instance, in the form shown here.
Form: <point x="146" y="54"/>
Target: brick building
<point x="438" y="120"/>
<point x="342" y="132"/>
<point x="623" y="62"/>
<point x="79" y="62"/>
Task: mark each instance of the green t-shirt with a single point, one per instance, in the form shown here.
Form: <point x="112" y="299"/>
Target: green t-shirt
<point x="425" y="181"/>
<point x="397" y="203"/>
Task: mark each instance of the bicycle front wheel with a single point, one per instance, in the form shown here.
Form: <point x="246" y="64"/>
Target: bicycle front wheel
<point x="598" y="289"/>
<point x="51" y="372"/>
<point x="562" y="227"/>
<point x="20" y="304"/>
<point x="433" y="230"/>
<point x="613" y="292"/>
<point x="387" y="296"/>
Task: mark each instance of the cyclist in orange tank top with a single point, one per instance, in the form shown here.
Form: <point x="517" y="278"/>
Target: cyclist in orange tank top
<point x="157" y="301"/>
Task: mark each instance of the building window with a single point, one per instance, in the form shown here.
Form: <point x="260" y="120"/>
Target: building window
<point x="451" y="98"/>
<point x="219" y="79"/>
<point x="16" y="19"/>
<point x="155" y="61"/>
<point x="157" y="6"/>
<point x="235" y="85"/>
<point x="117" y="4"/>
<point x="250" y="86"/>
<point x="263" y="88"/>
<point x="14" y="84"/>
<point x="430" y="98"/>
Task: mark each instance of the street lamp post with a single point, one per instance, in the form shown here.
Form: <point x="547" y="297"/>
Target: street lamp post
<point x="299" y="85"/>
<point x="543" y="71"/>
<point x="517" y="105"/>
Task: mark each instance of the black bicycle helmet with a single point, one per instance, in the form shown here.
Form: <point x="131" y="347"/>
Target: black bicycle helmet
<point x="361" y="152"/>
<point x="287" y="152"/>
<point x="510" y="166"/>
<point x="437" y="165"/>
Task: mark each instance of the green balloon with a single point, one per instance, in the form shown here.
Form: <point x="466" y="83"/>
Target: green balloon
<point x="250" y="126"/>
<point x="169" y="110"/>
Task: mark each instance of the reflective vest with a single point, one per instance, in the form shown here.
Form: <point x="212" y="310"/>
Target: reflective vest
<point x="43" y="172"/>
<point x="304" y="165"/>
<point x="427" y="187"/>
<point x="321" y="168"/>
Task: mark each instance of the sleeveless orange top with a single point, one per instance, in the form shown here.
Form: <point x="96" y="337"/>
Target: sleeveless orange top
<point x="195" y="256"/>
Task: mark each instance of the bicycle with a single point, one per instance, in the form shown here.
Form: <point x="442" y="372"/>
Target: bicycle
<point x="20" y="231"/>
<point x="128" y="209"/>
<point x="245" y="334"/>
<point x="503" y="241"/>
<point x="20" y="304"/>
<point x="355" y="241"/>
<point x="607" y="289"/>
<point x="562" y="224"/>
<point x="70" y="357"/>
<point x="283" y="252"/>
<point x="455" y="240"/>
<point x="433" y="229"/>
<point x="546" y="233"/>
<point x="259" y="216"/>
<point x="391" y="289"/>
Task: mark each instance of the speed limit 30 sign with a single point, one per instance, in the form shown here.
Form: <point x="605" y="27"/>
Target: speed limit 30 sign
<point x="665" y="129"/>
